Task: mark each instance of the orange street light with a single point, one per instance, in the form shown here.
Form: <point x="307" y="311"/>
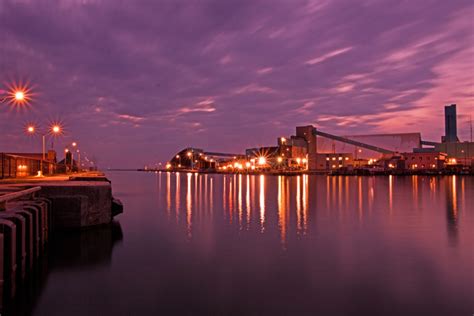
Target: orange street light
<point x="56" y="129"/>
<point x="16" y="94"/>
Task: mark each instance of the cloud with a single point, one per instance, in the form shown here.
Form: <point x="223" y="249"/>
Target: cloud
<point x="254" y="88"/>
<point x="106" y="67"/>
<point x="329" y="55"/>
<point x="263" y="71"/>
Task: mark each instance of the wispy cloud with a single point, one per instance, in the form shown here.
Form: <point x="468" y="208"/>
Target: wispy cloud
<point x="329" y="55"/>
<point x="254" y="88"/>
<point x="263" y="71"/>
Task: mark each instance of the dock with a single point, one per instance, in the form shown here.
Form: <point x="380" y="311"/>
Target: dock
<point x="33" y="209"/>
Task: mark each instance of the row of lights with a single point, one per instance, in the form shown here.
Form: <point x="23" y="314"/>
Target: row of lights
<point x="20" y="95"/>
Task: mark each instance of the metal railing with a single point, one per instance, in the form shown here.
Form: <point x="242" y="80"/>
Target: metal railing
<point x="9" y="196"/>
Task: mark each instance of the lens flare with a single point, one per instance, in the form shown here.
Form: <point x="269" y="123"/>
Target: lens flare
<point x="19" y="94"/>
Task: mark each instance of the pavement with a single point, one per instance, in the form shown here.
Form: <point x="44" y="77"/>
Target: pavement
<point x="53" y="178"/>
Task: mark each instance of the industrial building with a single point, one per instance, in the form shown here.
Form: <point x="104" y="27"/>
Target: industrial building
<point x="314" y="150"/>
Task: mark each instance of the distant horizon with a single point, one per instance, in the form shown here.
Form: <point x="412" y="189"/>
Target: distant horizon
<point x="133" y="83"/>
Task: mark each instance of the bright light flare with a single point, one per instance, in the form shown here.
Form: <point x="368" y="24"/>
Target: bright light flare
<point x="19" y="94"/>
<point x="30" y="129"/>
<point x="56" y="129"/>
<point x="262" y="160"/>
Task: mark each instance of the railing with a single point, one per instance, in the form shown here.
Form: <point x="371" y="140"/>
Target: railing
<point x="16" y="195"/>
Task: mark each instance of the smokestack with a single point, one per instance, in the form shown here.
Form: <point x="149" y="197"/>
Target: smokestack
<point x="451" y="134"/>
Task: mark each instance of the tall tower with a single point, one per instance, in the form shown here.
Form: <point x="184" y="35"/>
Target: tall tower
<point x="306" y="132"/>
<point x="451" y="134"/>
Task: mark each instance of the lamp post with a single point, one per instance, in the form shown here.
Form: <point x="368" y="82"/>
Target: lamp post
<point x="54" y="130"/>
<point x="74" y="145"/>
<point x="191" y="158"/>
<point x="66" y="151"/>
<point x="78" y="160"/>
<point x="179" y="157"/>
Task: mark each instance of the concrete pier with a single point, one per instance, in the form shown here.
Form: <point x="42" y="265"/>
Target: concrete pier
<point x="31" y="210"/>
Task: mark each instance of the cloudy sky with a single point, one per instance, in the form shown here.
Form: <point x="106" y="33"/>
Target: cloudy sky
<point x="135" y="81"/>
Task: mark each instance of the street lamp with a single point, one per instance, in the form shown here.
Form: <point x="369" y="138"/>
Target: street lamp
<point x="17" y="94"/>
<point x="190" y="154"/>
<point x="54" y="130"/>
<point x="74" y="145"/>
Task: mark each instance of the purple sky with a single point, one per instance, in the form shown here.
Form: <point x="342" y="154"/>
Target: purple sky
<point x="135" y="81"/>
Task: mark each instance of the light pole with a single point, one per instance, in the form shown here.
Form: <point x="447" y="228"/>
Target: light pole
<point x="191" y="158"/>
<point x="78" y="161"/>
<point x="53" y="130"/>
<point x="74" y="145"/>
<point x="66" y="151"/>
<point x="179" y="157"/>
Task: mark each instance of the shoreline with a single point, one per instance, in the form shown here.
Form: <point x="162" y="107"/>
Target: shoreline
<point x="305" y="172"/>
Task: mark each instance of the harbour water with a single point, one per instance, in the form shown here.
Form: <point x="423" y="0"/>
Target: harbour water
<point x="237" y="245"/>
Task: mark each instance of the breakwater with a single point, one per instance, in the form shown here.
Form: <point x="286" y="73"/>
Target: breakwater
<point x="32" y="211"/>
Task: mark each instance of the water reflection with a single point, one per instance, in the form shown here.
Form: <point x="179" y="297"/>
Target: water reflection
<point x="189" y="205"/>
<point x="67" y="252"/>
<point x="310" y="245"/>
<point x="262" y="203"/>
<point x="452" y="211"/>
<point x="282" y="217"/>
<point x="287" y="208"/>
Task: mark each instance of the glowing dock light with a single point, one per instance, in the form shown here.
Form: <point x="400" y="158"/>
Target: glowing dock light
<point x="247" y="164"/>
<point x="168" y="166"/>
<point x="262" y="161"/>
<point x="298" y="160"/>
<point x="304" y="160"/>
<point x="279" y="159"/>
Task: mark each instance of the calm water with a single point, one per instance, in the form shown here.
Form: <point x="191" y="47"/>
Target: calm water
<point x="237" y="244"/>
